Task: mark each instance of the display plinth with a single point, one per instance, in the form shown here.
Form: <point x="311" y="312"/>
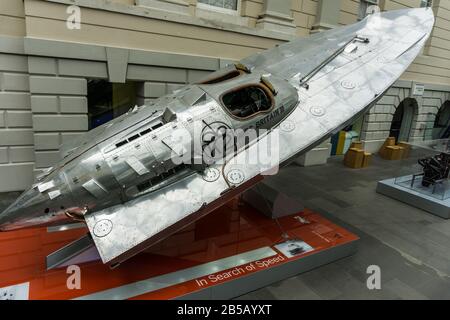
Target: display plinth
<point x="228" y="253"/>
<point x="439" y="206"/>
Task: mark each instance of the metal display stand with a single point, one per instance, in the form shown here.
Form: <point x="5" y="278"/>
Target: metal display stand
<point x="434" y="196"/>
<point x="431" y="204"/>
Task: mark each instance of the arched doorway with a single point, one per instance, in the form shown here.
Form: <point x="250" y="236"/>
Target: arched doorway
<point x="403" y="118"/>
<point x="441" y="129"/>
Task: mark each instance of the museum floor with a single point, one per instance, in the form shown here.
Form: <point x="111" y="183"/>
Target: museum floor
<point x="411" y="246"/>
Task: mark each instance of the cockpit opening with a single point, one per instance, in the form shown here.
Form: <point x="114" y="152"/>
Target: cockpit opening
<point x="248" y="101"/>
<point x="223" y="77"/>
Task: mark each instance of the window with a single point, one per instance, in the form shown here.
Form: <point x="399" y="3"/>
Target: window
<point x="365" y="6"/>
<point x="107" y="100"/>
<point x="426" y="3"/>
<point x="248" y="101"/>
<point x="443" y="117"/>
<point x="220" y="4"/>
<point x="441" y="128"/>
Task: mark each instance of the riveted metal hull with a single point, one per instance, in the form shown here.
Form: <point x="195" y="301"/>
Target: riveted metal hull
<point x="323" y="84"/>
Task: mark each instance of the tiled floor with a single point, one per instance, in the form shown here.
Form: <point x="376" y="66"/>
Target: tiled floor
<point x="411" y="246"/>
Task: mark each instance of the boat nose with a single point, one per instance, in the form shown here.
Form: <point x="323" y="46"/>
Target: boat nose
<point x="23" y="211"/>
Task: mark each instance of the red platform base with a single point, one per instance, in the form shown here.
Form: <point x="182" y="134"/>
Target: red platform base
<point x="229" y="252"/>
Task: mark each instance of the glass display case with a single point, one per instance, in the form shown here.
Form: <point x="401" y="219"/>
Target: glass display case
<point x="430" y="175"/>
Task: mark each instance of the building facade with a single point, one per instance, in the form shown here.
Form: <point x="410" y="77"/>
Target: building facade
<point x="69" y="65"/>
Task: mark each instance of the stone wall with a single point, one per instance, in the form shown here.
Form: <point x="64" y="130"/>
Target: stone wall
<point x="377" y="122"/>
<point x="58" y="85"/>
<point x="58" y="103"/>
<point x="16" y="133"/>
<point x="433" y="101"/>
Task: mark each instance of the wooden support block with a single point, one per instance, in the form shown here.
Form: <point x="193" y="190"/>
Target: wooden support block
<point x="394" y="153"/>
<point x="383" y="152"/>
<point x="367" y="159"/>
<point x="389" y="152"/>
<point x="357" y="145"/>
<point x="390" y="141"/>
<point x="407" y="148"/>
<point x="354" y="158"/>
<point x="398" y="153"/>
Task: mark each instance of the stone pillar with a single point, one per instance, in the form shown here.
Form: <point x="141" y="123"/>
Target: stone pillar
<point x="327" y="15"/>
<point x="432" y="100"/>
<point x="378" y="121"/>
<point x="277" y="17"/>
<point x="150" y="91"/>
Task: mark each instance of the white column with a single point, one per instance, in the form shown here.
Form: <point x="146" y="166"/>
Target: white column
<point x="327" y="15"/>
<point x="277" y="17"/>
